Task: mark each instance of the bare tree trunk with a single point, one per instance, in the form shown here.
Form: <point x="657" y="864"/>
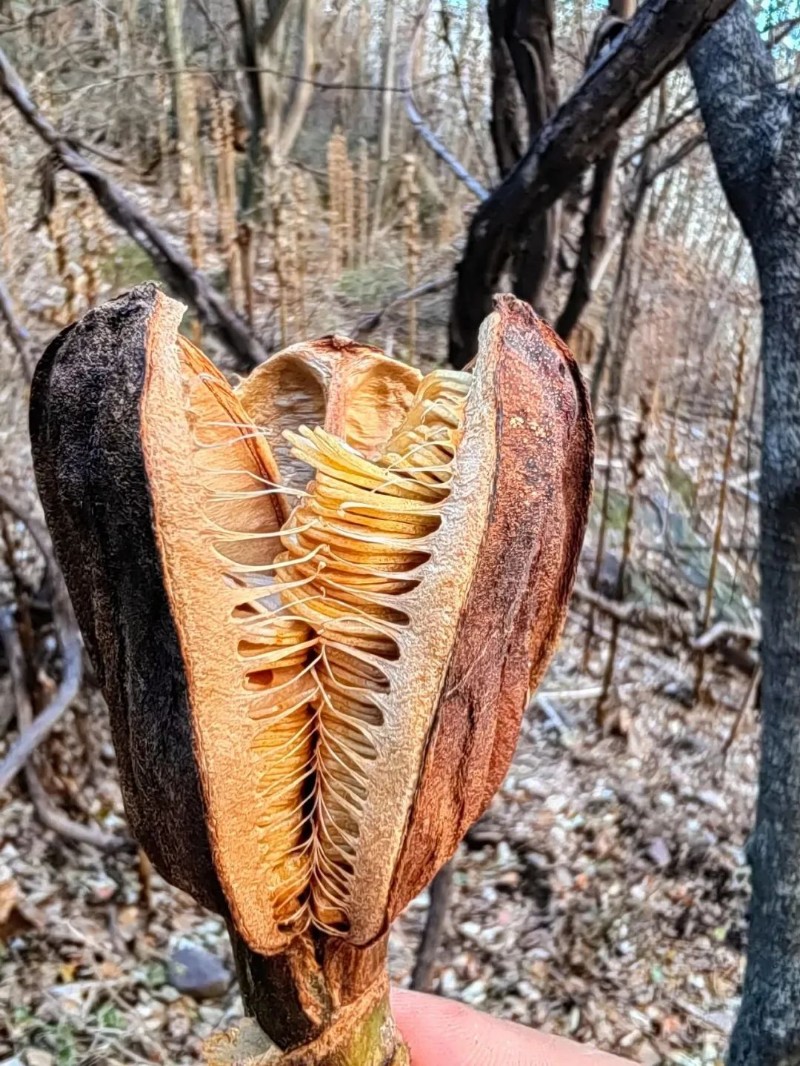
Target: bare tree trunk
<point x="256" y="44"/>
<point x="754" y="131"/>
<point x="387" y="99"/>
<point x="183" y="100"/>
<point x="292" y="122"/>
<point x="250" y="53"/>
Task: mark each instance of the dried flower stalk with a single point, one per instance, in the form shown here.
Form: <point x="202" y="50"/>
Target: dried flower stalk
<point x="87" y="222"/>
<point x="222" y="134"/>
<point x="362" y="203"/>
<point x="286" y="589"/>
<point x="340" y="203"/>
<point x="721" y="502"/>
<point x="636" y="469"/>
<point x="65" y="268"/>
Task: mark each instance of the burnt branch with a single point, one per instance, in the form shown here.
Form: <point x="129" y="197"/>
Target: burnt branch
<point x="369" y="322"/>
<point x="47" y="812"/>
<point x="594" y="235"/>
<point x="172" y="264"/>
<point x="524" y="95"/>
<point x="594" y="238"/>
<point x="579" y="133"/>
<point x="683" y="151"/>
<point x="660" y="132"/>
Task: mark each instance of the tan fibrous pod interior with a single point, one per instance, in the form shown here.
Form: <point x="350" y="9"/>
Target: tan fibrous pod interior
<point x="351" y="389"/>
<point x="316" y="595"/>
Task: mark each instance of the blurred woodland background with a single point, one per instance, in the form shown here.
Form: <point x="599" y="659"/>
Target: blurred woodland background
<point x="296" y="168"/>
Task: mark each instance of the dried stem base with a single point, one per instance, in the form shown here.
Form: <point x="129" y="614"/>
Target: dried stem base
<point x="322" y="1002"/>
<point x="362" y="1033"/>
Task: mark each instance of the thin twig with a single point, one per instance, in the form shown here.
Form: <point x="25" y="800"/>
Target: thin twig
<point x="17" y="333"/>
<point x="70" y="644"/>
<point x="422" y="128"/>
<point x="36" y="13"/>
<point x="721" y="632"/>
<point x="745" y="707"/>
<point x="369" y="322"/>
<point x="434" y="927"/>
<point x="211" y="72"/>
<point x="554" y="717"/>
<point x="660" y="132"/>
<point x="676" y="157"/>
<point x="47" y="813"/>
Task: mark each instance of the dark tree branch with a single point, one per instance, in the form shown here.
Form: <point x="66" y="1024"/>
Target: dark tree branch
<point x="529" y="36"/>
<point x="47" y="812"/>
<point x="594" y="236"/>
<point x="683" y="151"/>
<point x="578" y="134"/>
<point x="251" y="58"/>
<point x="269" y="27"/>
<point x="660" y="132"/>
<point x="593" y="241"/>
<point x="505" y="125"/>
<point x="174" y="266"/>
<point x="524" y="95"/>
<point x="369" y="322"/>
<point x="781" y="30"/>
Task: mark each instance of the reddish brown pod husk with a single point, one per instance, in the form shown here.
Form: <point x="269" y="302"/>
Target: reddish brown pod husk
<point x="318" y="603"/>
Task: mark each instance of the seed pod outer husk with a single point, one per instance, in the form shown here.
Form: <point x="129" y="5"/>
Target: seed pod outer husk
<point x="518" y="599"/>
<point x="96" y="500"/>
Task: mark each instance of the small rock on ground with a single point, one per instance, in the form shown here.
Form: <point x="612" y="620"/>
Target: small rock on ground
<point x="195" y="972"/>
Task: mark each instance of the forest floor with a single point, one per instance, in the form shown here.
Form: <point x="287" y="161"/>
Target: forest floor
<point x="601" y="896"/>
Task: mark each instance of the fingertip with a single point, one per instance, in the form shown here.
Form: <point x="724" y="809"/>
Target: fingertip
<point x="442" y="1032"/>
<point x="439" y="1030"/>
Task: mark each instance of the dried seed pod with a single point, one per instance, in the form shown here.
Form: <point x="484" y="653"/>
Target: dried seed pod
<point x="317" y="604"/>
